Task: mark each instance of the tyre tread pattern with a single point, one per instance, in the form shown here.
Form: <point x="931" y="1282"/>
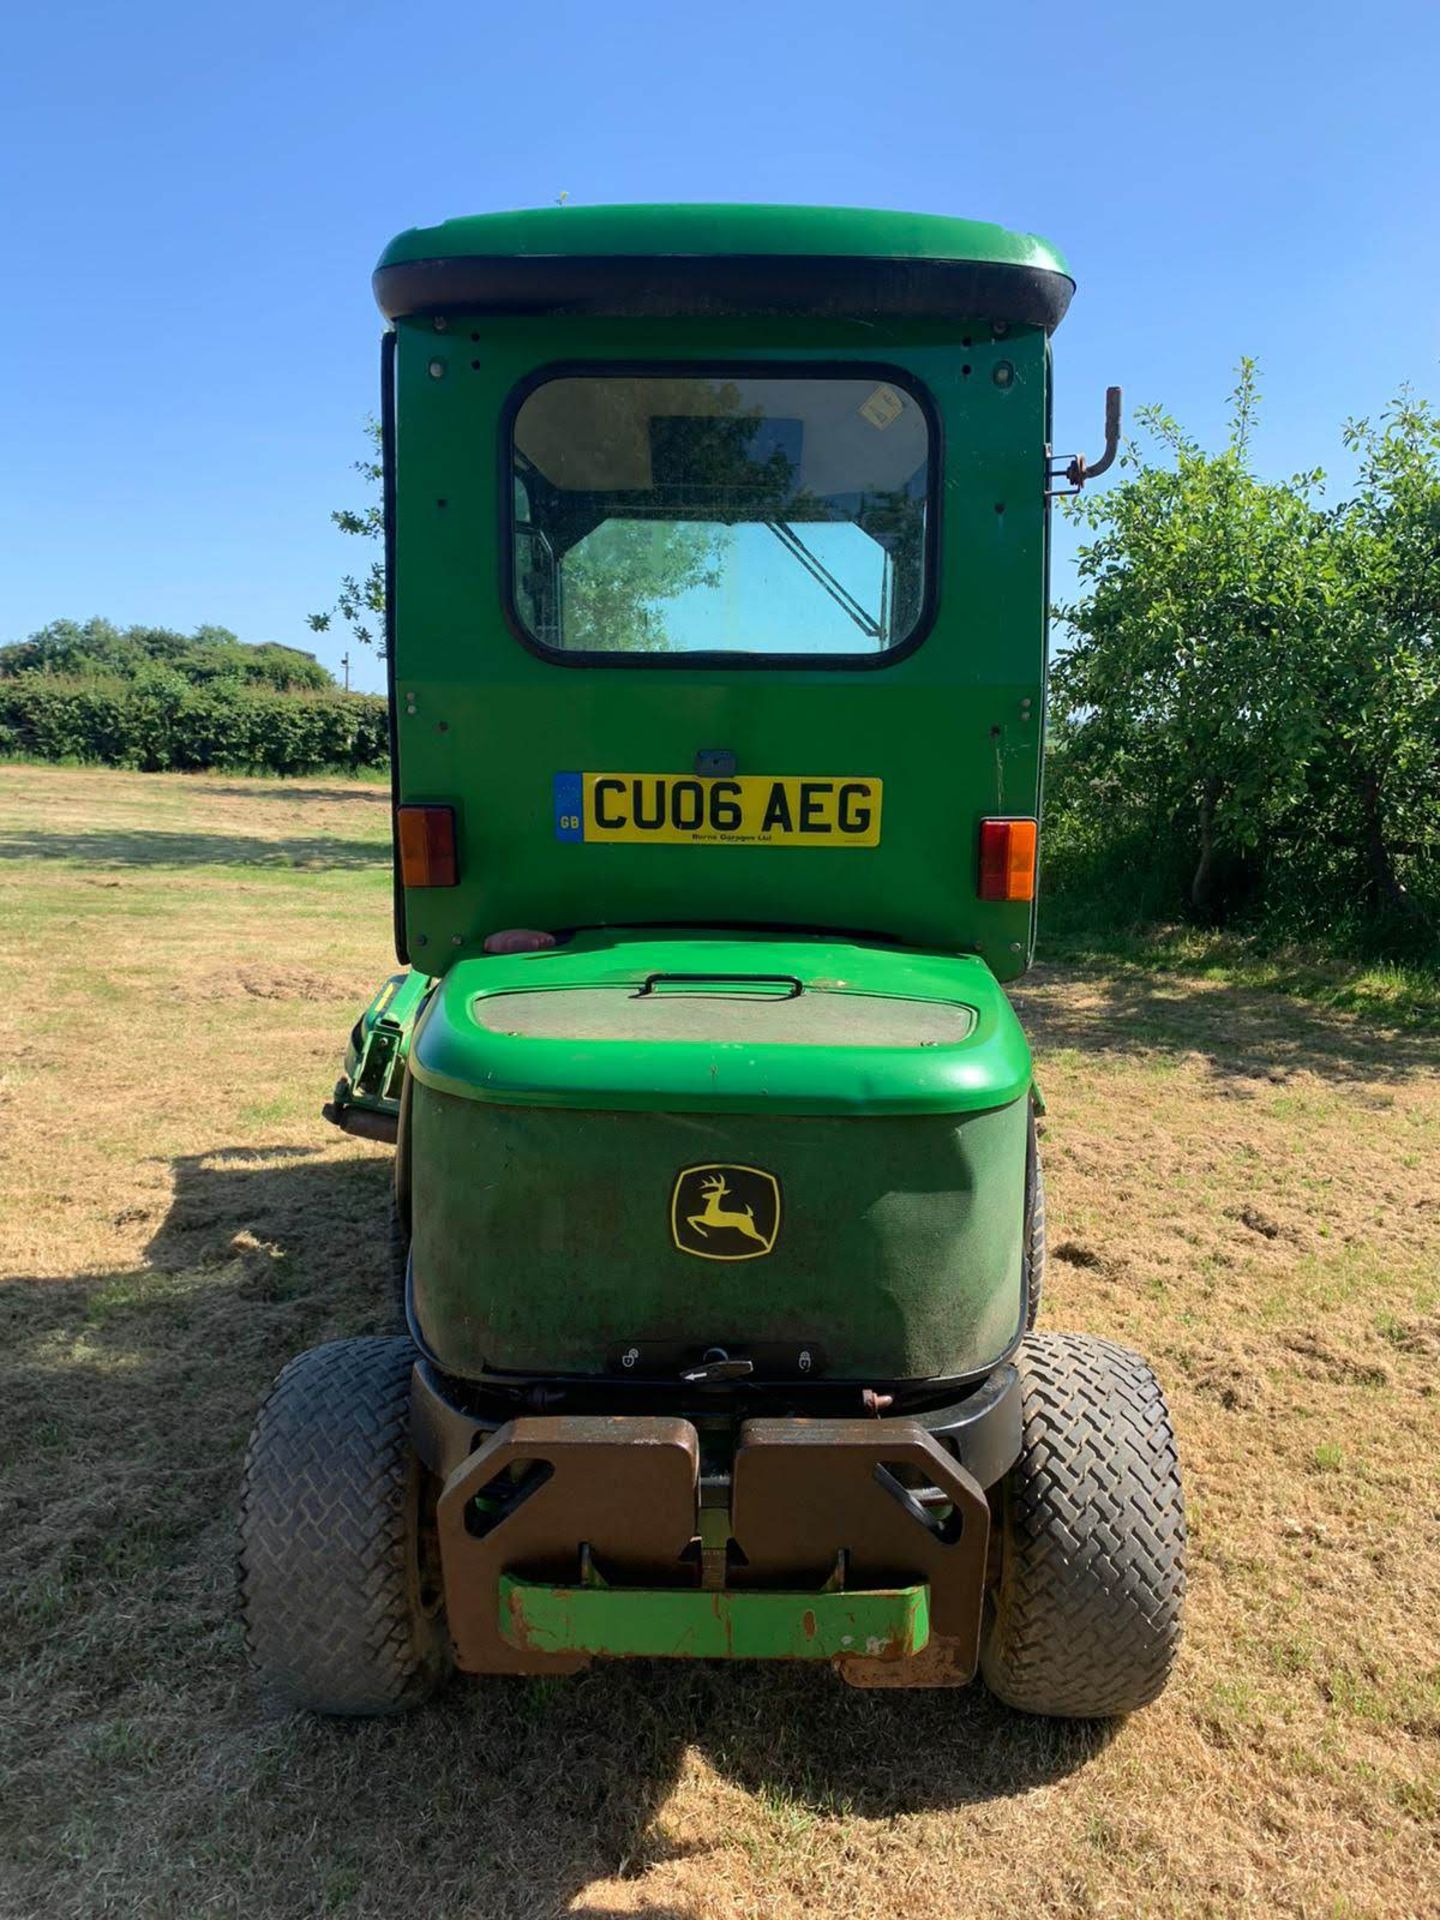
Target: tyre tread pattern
<point x="1086" y="1620"/>
<point x="328" y="1582"/>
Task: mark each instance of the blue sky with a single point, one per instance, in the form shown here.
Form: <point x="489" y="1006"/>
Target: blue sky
<point x="195" y="196"/>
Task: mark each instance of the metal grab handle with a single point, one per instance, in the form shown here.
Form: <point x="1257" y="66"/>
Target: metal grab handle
<point x="1112" y="434"/>
<point x="795" y="987"/>
<point x="1079" y="469"/>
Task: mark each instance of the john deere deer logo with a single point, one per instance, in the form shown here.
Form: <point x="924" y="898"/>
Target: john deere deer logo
<point x="725" y="1213"/>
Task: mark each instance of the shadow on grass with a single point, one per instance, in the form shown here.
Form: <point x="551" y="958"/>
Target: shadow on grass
<point x="145" y="1774"/>
<point x="1237" y="1032"/>
<point x="365" y="793"/>
<point x="156" y="847"/>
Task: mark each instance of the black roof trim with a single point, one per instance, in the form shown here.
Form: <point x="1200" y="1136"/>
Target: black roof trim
<point x="705" y="285"/>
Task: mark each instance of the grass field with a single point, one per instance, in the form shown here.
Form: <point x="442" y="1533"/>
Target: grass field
<point x="1244" y="1184"/>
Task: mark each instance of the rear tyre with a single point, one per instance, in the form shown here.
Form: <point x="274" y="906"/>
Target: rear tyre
<point x="1085" y="1619"/>
<point x="339" y="1582"/>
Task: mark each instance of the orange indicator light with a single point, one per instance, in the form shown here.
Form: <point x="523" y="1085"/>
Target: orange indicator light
<point x="427" y="846"/>
<point x="1007" y="859"/>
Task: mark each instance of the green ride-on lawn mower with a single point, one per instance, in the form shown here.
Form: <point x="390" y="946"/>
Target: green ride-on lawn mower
<point x="717" y="571"/>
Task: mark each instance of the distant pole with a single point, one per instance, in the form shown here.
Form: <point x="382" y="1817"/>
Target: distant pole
<point x="345" y="663"/>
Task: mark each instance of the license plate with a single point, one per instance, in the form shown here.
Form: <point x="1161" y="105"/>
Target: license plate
<point x="746" y="810"/>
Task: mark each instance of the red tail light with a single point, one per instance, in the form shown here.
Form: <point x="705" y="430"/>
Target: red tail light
<point x="1007" y="859"/>
<point x="426" y="836"/>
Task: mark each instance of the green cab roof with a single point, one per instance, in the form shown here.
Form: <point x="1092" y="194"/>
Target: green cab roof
<point x="659" y="260"/>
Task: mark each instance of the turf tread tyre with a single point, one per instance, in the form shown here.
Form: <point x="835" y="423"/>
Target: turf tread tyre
<point x="330" y="1577"/>
<point x="1085" y="1620"/>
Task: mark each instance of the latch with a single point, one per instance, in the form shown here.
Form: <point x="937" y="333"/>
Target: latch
<point x="717" y="1365"/>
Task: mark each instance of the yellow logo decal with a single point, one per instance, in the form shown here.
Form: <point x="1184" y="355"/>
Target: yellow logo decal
<point x="724" y="1212"/>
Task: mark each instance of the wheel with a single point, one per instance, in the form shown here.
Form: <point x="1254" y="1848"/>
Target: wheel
<point x="1084" y="1620"/>
<point x="1034" y="1225"/>
<point x="339" y="1580"/>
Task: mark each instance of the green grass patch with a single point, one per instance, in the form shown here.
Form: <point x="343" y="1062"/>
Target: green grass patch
<point x="1382" y="991"/>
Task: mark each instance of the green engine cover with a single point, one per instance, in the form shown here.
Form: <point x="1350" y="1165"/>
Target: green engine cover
<point x="628" y="1151"/>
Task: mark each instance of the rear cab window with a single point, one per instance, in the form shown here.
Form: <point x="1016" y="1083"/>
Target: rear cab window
<point x="735" y="515"/>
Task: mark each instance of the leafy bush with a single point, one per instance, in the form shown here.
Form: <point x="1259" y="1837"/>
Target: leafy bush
<point x="160" y="701"/>
<point x="208" y="656"/>
<point x="156" y="726"/>
<point x="1246" y="722"/>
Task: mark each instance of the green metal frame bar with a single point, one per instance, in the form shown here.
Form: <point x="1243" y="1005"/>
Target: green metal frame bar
<point x="376" y="1054"/>
<point x="665" y="1623"/>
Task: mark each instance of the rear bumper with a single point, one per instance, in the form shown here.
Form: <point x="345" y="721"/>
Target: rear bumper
<point x="667" y="1623"/>
<point x="562" y="1539"/>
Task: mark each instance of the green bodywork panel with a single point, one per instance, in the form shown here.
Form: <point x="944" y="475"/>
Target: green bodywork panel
<point x="952" y="728"/>
<point x="979" y="1060"/>
<point x="661" y="1623"/>
<point x="543" y="1166"/>
<point x="543" y="1239"/>
<point x="661" y="229"/>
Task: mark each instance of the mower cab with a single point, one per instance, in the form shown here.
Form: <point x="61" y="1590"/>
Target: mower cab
<point x="717" y="555"/>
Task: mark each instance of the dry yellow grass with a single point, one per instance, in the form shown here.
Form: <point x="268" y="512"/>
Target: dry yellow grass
<point x="1243" y="1186"/>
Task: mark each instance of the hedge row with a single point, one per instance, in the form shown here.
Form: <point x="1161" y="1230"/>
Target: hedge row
<point x="161" y="729"/>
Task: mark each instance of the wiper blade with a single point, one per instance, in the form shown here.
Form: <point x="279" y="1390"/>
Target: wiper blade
<point x="820" y="573"/>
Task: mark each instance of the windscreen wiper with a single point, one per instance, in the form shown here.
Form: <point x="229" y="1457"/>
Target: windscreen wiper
<point x="820" y="573"/>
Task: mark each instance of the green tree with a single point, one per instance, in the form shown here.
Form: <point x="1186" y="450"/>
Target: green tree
<point x="617" y="581"/>
<point x="1381" y="684"/>
<point x="1245" y="720"/>
<point x="1182" y="701"/>
<point x="360" y="600"/>
<point x="159" y="656"/>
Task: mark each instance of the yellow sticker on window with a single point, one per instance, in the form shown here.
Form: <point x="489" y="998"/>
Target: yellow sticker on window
<point x="751" y="810"/>
<point x="883" y="408"/>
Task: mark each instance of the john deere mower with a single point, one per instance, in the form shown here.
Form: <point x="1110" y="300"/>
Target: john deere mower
<point x="716" y="545"/>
